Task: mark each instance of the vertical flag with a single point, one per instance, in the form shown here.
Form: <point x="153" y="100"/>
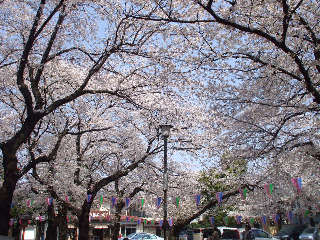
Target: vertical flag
<point x="297" y="183"/>
<point x="198" y="198"/>
<point x="29" y="202"/>
<point x="177" y="201"/>
<point x="267" y="189"/>
<point x="219" y="197"/>
<point x="127" y="202"/>
<point x="101" y="200"/>
<point x="238" y="219"/>
<point x="211" y="219"/>
<point x="161" y="223"/>
<point x="171" y="222"/>
<point x="139" y="221"/>
<point x="142" y="202"/>
<point x="226" y="220"/>
<point x="89" y="198"/>
<point x="276" y="218"/>
<point x="252" y="221"/>
<point x="271" y="188"/>
<point x="158" y="202"/>
<point x="49" y="201"/>
<point x="243" y="193"/>
<point x="67" y="199"/>
<point x="290" y="217"/>
<point x="264" y="220"/>
<point x="113" y="201"/>
<point x="306" y="213"/>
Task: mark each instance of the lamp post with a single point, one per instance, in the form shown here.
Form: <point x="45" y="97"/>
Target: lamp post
<point x="165" y="132"/>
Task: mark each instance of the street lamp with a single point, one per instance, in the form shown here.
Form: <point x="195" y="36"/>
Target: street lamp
<point x="165" y="133"/>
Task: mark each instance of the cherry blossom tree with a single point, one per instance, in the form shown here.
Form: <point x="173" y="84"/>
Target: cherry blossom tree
<point x="52" y="53"/>
<point x="260" y="61"/>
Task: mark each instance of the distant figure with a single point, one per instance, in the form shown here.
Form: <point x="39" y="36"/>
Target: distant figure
<point x="247" y="234"/>
<point x="216" y="234"/>
<point x="312" y="223"/>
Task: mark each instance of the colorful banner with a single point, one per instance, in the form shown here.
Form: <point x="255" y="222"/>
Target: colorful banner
<point x="198" y="199"/>
<point x="158" y="201"/>
<point x="211" y="219"/>
<point x="238" y="219"/>
<point x="127" y="202"/>
<point x="170" y="222"/>
<point x="290" y="216"/>
<point x="177" y="201"/>
<point x="226" y="220"/>
<point x="113" y="201"/>
<point x="243" y="193"/>
<point x="219" y="196"/>
<point x="297" y="183"/>
<point x="49" y="201"/>
<point x="161" y="223"/>
<point x="269" y="189"/>
<point x="276" y="218"/>
<point x="29" y="203"/>
<point x="142" y="202"/>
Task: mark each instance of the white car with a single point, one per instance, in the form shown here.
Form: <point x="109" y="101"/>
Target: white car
<point x="145" y="236"/>
<point x="259" y="234"/>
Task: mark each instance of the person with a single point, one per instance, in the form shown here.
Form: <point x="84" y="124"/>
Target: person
<point x="216" y="234"/>
<point x="247" y="234"/>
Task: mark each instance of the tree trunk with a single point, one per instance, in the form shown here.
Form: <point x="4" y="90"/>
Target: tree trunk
<point x="62" y="223"/>
<point x="51" y="233"/>
<point x="7" y="189"/>
<point x="115" y="226"/>
<point x="84" y="223"/>
<point x="16" y="230"/>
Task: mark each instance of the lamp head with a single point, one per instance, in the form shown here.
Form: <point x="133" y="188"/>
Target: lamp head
<point x="165" y="130"/>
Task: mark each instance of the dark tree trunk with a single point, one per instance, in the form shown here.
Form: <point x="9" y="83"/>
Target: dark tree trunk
<point x="16" y="230"/>
<point x="40" y="231"/>
<point x="116" y="226"/>
<point x="84" y="222"/>
<point x="178" y="227"/>
<point x="11" y="173"/>
<point x="7" y="188"/>
<point x="51" y="233"/>
<point x="62" y="223"/>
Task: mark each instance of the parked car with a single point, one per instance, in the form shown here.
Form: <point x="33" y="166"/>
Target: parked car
<point x="228" y="234"/>
<point x="146" y="236"/>
<point x="222" y="228"/>
<point x="310" y="233"/>
<point x="129" y="236"/>
<point x="290" y="231"/>
<point x="259" y="234"/>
